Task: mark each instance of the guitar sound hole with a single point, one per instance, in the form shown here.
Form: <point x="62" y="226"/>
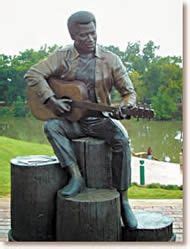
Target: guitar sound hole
<point x="65" y="97"/>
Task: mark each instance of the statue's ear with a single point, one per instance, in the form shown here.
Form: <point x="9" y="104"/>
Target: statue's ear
<point x="72" y="36"/>
<point x="73" y="30"/>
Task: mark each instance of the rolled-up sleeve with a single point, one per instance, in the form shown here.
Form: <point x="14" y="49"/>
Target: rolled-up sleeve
<point x="37" y="75"/>
<point x="122" y="82"/>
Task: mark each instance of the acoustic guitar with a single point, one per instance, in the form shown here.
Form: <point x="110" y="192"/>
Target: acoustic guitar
<point x="77" y="91"/>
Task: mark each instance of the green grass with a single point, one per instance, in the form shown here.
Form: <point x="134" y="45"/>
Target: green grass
<point x="10" y="148"/>
<point x="138" y="192"/>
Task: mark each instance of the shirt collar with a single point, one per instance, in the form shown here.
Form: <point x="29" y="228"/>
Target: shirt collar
<point x="98" y="53"/>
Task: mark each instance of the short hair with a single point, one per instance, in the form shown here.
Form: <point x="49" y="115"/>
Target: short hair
<point x="80" y="17"/>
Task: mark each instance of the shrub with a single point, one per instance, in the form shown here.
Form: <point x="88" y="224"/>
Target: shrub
<point x="6" y="111"/>
<point x="158" y="185"/>
<point x="134" y="184"/>
<point x="153" y="185"/>
<point x="170" y="187"/>
<point x="19" y="107"/>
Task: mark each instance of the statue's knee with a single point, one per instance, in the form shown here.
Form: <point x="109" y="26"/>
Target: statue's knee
<point x="51" y="126"/>
<point x="120" y="143"/>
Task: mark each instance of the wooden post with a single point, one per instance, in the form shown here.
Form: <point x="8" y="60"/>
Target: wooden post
<point x="94" y="159"/>
<point x="35" y="181"/>
<point x="93" y="215"/>
<point x="152" y="226"/>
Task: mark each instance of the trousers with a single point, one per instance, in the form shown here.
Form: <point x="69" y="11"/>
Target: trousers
<point x="60" y="133"/>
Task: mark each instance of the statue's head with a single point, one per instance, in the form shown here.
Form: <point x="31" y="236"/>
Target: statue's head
<point x="82" y="28"/>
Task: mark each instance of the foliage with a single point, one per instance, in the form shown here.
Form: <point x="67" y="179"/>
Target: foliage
<point x="12" y="70"/>
<point x="157" y="80"/>
<point x="158" y="185"/>
<point x="171" y="187"/>
<point x="6" y="111"/>
<point x="19" y="109"/>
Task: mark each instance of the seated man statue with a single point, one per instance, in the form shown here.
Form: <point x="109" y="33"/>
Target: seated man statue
<point x="100" y="70"/>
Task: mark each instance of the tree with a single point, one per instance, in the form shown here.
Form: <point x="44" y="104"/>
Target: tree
<point x="166" y="90"/>
<point x="139" y="86"/>
<point x="5" y="62"/>
<point x="149" y="51"/>
<point x="157" y="80"/>
<point x="164" y="105"/>
<point x="133" y="60"/>
<point x="19" y="108"/>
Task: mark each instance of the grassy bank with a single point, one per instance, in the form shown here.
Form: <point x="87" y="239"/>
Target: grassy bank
<point x="138" y="192"/>
<point x="10" y="148"/>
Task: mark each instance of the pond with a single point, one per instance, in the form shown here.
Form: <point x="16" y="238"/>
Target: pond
<point x="161" y="136"/>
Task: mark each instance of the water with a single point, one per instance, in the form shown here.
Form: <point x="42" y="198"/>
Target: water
<point x="159" y="135"/>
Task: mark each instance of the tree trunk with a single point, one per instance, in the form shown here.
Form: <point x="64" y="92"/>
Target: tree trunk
<point x="35" y="181"/>
<point x="93" y="215"/>
<point x="152" y="226"/>
<point x="94" y="159"/>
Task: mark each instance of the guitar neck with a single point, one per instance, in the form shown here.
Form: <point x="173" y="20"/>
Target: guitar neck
<point x="138" y="111"/>
<point x="93" y="106"/>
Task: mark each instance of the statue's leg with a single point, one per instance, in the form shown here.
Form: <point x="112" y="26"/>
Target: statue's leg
<point x="117" y="137"/>
<point x="59" y="134"/>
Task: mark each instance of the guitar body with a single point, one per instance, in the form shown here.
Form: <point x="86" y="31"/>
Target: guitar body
<point x="75" y="90"/>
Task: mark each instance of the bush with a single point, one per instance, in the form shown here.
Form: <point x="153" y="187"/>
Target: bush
<point x="134" y="184"/>
<point x="153" y="185"/>
<point x="181" y="187"/>
<point x="170" y="187"/>
<point x="158" y="185"/>
<point x="19" y="108"/>
<point x="6" y="111"/>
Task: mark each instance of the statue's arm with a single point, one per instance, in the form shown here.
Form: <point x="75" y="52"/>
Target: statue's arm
<point x="123" y="83"/>
<point x="37" y="75"/>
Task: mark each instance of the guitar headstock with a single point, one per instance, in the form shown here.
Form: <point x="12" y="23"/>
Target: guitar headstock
<point x="139" y="111"/>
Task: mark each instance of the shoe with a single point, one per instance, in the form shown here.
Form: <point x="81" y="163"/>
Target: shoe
<point x="75" y="186"/>
<point x="128" y="217"/>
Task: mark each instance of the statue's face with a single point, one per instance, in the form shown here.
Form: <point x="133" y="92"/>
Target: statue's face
<point x="85" y="38"/>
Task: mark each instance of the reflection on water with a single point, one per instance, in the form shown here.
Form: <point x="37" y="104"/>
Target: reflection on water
<point x="179" y="136"/>
<point x="159" y="135"/>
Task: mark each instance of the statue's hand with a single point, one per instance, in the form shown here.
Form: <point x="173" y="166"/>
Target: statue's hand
<point x="59" y="106"/>
<point x="118" y="114"/>
<point x="121" y="112"/>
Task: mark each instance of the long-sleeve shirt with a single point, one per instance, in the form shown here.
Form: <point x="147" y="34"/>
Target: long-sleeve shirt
<point x="109" y="72"/>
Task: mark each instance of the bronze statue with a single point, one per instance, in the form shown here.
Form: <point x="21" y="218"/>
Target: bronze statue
<point x="100" y="70"/>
